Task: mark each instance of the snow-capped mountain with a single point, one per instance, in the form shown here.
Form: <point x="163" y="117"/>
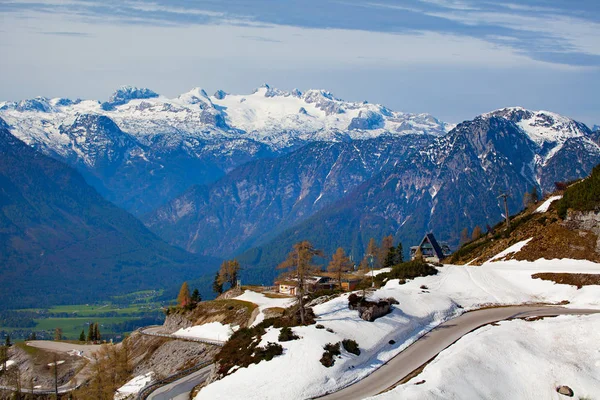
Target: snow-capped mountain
<point x="445" y="184"/>
<point x="277" y="118"/>
<point x="140" y="149"/>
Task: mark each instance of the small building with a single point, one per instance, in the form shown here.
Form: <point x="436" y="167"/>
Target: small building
<point x="430" y="248"/>
<point x="311" y="284"/>
<point x="350" y="284"/>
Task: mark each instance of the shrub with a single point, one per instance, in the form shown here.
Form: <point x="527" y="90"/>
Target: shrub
<point x="392" y="341"/>
<point x="287" y="334"/>
<point x="407" y="270"/>
<point x="351" y="346"/>
<point x="331" y="350"/>
<point x="334" y="349"/>
<point x="424" y="287"/>
<point x="268" y="352"/>
<point x="319" y="326"/>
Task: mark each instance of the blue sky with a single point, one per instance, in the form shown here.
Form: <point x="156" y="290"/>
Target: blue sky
<point x="452" y="58"/>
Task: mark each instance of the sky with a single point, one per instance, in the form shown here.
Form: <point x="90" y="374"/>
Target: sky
<point x="454" y="59"/>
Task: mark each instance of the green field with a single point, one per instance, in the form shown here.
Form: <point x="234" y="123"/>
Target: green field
<point x="121" y="315"/>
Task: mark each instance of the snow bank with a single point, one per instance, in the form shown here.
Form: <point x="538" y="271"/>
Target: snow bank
<point x="133" y="386"/>
<point x="516" y="360"/>
<point x="378" y="271"/>
<point x="515" y="248"/>
<point x="210" y="331"/>
<point x="546" y="205"/>
<point x="263" y="302"/>
<point x="298" y="374"/>
<point x="9" y="363"/>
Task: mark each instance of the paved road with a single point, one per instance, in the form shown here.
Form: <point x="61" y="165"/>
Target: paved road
<point x="431" y="344"/>
<point x="181" y="389"/>
<point x="63" y="347"/>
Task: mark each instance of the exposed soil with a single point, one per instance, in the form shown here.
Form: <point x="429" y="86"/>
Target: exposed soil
<point x="579" y="280"/>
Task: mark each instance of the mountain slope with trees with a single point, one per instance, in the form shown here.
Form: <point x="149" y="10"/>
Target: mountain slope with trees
<point x="61" y="242"/>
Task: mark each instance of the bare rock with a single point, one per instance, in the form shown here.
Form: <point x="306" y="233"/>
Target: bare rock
<point x="565" y="391"/>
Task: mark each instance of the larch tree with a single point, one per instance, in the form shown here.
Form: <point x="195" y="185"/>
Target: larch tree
<point x="476" y="233"/>
<point x="184" y="298"/>
<point x="58" y="334"/>
<point x="464" y="236"/>
<point x="300" y="267"/>
<point x="339" y="264"/>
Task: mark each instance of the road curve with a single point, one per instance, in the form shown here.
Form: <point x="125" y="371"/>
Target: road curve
<point x="181" y="388"/>
<point x="435" y="341"/>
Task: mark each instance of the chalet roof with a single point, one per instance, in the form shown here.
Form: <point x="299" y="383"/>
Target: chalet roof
<point x="434" y="243"/>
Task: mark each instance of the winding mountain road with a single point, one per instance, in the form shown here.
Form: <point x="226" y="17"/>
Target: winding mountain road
<point x="181" y="389"/>
<point x="434" y="342"/>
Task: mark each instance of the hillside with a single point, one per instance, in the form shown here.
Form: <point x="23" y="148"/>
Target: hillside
<point x="566" y="225"/>
<point x="60" y="241"/>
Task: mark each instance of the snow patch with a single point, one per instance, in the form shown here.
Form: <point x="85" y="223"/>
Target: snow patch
<point x="263" y="302"/>
<point x="546" y="204"/>
<point x="515" y="248"/>
<point x="133" y="386"/>
<point x="210" y="331"/>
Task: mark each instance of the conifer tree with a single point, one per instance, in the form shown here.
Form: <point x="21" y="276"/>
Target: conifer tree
<point x="534" y="194"/>
<point x="391" y="258"/>
<point x="217" y="284"/>
<point x="196" y="298"/>
<point x="183" y="299"/>
<point x="97" y="332"/>
<point x="90" y="335"/>
<point x="300" y="266"/>
<point x="7" y="341"/>
<point x="82" y="336"/>
<point x="339" y="264"/>
<point x="399" y="253"/>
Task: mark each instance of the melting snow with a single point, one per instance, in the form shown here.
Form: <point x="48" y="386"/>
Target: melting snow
<point x="498" y="283"/>
<point x="210" y="331"/>
<point x="133" y="386"/>
<point x="546" y="204"/>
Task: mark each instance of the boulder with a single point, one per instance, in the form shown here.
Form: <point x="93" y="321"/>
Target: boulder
<point x="565" y="391"/>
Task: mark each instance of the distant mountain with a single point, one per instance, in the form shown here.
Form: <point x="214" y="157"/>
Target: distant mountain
<point x="61" y="242"/>
<point x="448" y="185"/>
<point x="260" y="199"/>
<point x="140" y="149"/>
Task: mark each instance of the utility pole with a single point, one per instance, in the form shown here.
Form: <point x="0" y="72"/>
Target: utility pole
<point x="370" y="257"/>
<point x="505" y="196"/>
<point x="55" y="376"/>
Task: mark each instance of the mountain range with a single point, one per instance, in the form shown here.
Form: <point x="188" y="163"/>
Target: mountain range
<point x="248" y="175"/>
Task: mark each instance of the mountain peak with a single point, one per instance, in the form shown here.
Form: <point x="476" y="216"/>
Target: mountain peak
<point x="125" y="93"/>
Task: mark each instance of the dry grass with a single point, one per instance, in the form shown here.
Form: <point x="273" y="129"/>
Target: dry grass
<point x="551" y="239"/>
<point x="579" y="280"/>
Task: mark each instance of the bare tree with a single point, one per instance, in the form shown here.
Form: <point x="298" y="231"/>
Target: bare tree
<point x="339" y="263"/>
<point x="299" y="264"/>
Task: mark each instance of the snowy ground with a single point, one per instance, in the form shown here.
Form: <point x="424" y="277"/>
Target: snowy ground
<point x="298" y="374"/>
<point x="263" y="302"/>
<point x="8" y="364"/>
<point x="546" y="204"/>
<point x="133" y="386"/>
<point x="210" y="331"/>
<point x="516" y="360"/>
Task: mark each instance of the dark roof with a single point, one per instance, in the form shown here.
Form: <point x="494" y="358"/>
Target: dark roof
<point x="436" y="247"/>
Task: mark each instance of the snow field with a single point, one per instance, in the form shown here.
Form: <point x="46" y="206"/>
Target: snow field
<point x="263" y="302"/>
<point x="133" y="386"/>
<point x="515" y="360"/>
<point x="298" y="374"/>
<point x="210" y="331"/>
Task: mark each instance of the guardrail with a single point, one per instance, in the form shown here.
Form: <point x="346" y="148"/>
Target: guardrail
<point x="187" y="338"/>
<point x="62" y="390"/>
<point x="151" y="387"/>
